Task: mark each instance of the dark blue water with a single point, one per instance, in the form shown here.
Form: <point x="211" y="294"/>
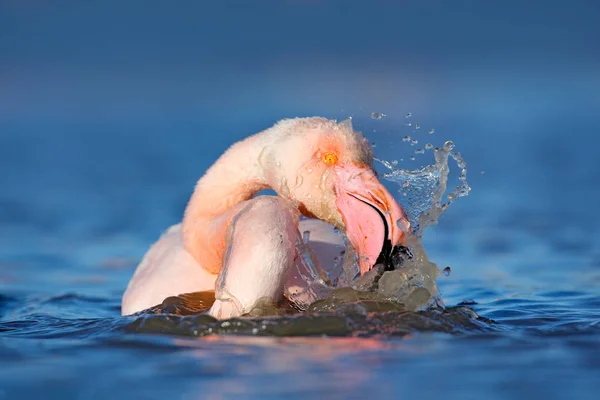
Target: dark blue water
<point x="108" y="116"/>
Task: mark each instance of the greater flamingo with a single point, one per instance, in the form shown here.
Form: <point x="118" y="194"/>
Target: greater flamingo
<point x="249" y="248"/>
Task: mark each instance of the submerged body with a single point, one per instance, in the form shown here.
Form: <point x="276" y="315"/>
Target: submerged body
<point x="250" y="248"/>
<point x="169" y="269"/>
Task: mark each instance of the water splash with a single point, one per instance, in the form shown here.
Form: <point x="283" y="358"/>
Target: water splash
<point x="306" y="236"/>
<point x="422" y="190"/>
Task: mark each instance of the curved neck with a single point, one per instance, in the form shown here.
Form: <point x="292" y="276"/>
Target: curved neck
<point x="235" y="177"/>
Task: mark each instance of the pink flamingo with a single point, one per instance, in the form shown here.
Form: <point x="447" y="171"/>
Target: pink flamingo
<point x="248" y="248"/>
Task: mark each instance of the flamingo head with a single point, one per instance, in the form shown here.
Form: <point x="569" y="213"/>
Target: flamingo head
<point x="327" y="168"/>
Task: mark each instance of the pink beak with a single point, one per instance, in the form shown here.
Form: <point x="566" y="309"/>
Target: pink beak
<point x="374" y="221"/>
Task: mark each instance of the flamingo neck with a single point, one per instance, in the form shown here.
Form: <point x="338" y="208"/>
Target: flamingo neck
<point x="235" y="177"/>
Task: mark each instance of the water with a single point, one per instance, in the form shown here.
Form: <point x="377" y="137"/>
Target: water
<point x="67" y="256"/>
<point x="102" y="137"/>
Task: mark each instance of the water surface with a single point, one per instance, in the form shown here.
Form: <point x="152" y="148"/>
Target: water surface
<point x="103" y="133"/>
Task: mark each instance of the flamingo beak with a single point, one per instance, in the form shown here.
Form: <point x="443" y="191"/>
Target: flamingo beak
<point x="375" y="224"/>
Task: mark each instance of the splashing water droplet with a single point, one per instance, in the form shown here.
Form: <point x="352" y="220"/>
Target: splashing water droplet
<point x="408" y="115"/>
<point x="394" y="162"/>
<point x="409" y="124"/>
<point x="431" y="131"/>
<point x="449" y="145"/>
<point x="387" y="164"/>
<point x="406" y="184"/>
<point x="306" y="236"/>
<point x="373" y="144"/>
<point x="462" y="191"/>
<point x="406" y="139"/>
<point x="422" y="198"/>
<point x="402" y="223"/>
<point x="376" y="115"/>
<point x="428" y="146"/>
<point x="412" y="158"/>
<point x="482" y="172"/>
<point x="413" y="142"/>
<point x="417" y="126"/>
<point x="419" y="151"/>
<point x="447" y="271"/>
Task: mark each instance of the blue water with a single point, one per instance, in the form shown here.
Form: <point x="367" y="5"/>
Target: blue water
<point x="108" y="116"/>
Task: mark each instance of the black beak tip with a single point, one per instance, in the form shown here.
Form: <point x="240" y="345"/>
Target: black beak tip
<point x="393" y="258"/>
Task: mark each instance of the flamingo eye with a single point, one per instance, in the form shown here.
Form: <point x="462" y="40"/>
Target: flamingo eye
<point x="329" y="158"/>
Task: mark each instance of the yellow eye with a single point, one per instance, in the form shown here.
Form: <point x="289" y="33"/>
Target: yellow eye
<point x="329" y="158"/>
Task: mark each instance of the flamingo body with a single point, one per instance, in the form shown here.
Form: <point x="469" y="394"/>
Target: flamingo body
<point x="249" y="248"/>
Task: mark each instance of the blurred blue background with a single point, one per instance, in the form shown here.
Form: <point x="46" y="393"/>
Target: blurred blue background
<point x="110" y="111"/>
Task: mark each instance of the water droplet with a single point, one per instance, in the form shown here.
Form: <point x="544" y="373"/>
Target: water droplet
<point x="309" y="170"/>
<point x="449" y="145"/>
<point x="278" y="164"/>
<point x="409" y="124"/>
<point x="417" y="126"/>
<point x="373" y="144"/>
<point x="412" y="158"/>
<point x="394" y="162"/>
<point x="406" y="139"/>
<point x="402" y="223"/>
<point x="405" y="184"/>
<point x="447" y="271"/>
<point x="482" y="172"/>
<point x="376" y="115"/>
<point x="431" y="131"/>
<point x="408" y="115"/>
<point x="309" y="195"/>
<point x="451" y="196"/>
<point x="419" y="151"/>
<point x="336" y="259"/>
<point x="306" y="236"/>
<point x="413" y="142"/>
<point x="254" y="331"/>
<point x="462" y="191"/>
<point x="428" y="146"/>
